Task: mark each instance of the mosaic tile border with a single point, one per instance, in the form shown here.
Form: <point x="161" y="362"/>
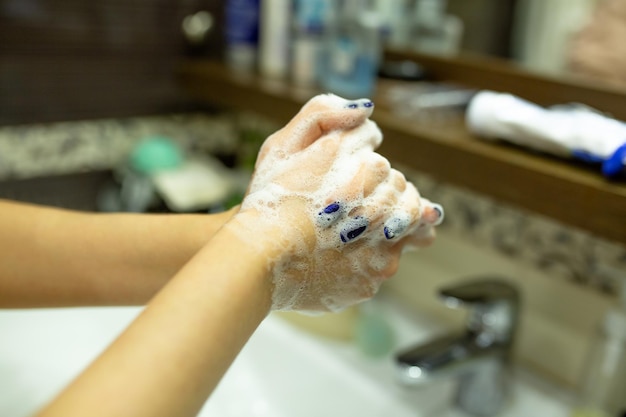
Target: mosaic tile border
<point x="562" y="251"/>
<point x="69" y="147"/>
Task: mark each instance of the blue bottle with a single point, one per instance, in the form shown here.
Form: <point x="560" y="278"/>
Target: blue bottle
<point x="242" y="34"/>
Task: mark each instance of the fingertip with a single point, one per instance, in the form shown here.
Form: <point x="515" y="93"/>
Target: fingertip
<point x="353" y="228"/>
<point x="362" y="103"/>
<point x="348" y="114"/>
<point x="322" y="114"/>
<point x="433" y="214"/>
<point x="396" y="225"/>
<point x="343" y="119"/>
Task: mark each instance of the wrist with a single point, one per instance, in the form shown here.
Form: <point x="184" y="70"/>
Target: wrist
<point x="227" y="254"/>
<point x="276" y="231"/>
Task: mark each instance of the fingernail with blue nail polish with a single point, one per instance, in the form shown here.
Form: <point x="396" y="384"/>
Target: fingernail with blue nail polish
<point x="352" y="105"/>
<point x="353" y="229"/>
<point x="329" y="215"/>
<point x="396" y="226"/>
<point x="368" y="104"/>
<point x="331" y="208"/>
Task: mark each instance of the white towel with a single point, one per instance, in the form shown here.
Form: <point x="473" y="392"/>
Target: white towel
<point x="569" y="130"/>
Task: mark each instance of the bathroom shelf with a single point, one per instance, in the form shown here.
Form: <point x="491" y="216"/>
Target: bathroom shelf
<point x="567" y="192"/>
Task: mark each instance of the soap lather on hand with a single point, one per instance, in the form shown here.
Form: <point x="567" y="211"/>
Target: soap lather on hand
<point x="338" y="215"/>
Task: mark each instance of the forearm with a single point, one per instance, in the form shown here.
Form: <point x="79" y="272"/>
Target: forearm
<point x="181" y="345"/>
<point x="53" y="257"/>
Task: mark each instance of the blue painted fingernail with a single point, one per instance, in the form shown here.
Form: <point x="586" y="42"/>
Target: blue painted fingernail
<point x="353" y="229"/>
<point x="368" y="104"/>
<point x="396" y="226"/>
<point x="329" y="215"/>
<point x="331" y="208"/>
<point x="352" y="105"/>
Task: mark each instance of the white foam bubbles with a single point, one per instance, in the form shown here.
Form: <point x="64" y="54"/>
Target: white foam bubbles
<point x="333" y="268"/>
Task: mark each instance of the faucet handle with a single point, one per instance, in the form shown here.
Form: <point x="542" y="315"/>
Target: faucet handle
<point x="493" y="307"/>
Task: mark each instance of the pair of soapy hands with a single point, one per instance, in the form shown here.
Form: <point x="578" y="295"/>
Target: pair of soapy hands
<point x="331" y="213"/>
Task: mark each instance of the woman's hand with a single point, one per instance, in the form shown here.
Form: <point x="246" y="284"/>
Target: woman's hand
<point x="331" y="214"/>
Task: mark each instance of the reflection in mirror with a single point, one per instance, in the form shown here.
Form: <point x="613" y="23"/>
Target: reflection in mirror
<point x="582" y="39"/>
<point x="579" y="37"/>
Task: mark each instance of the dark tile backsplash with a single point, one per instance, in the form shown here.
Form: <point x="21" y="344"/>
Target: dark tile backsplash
<point x="73" y="59"/>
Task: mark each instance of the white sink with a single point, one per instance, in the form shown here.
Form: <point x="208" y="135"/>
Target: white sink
<point x="286" y="372"/>
<point x="282" y="372"/>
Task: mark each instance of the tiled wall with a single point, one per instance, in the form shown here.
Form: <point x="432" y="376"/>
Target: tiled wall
<point x="59" y="148"/>
<point x="559" y="251"/>
<point x="567" y="276"/>
<point x="73" y="60"/>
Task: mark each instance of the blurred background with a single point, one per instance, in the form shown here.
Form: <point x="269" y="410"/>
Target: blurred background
<point x="62" y="60"/>
<point x="93" y="116"/>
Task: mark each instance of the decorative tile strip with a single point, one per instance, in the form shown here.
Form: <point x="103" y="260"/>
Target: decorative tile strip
<point x="559" y="250"/>
<point x="69" y="147"/>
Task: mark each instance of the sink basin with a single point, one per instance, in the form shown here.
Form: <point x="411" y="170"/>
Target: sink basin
<point x="283" y="371"/>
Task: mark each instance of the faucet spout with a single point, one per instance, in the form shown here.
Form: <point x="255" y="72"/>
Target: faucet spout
<point x="483" y="372"/>
<point x="447" y="357"/>
<point x="480" y="358"/>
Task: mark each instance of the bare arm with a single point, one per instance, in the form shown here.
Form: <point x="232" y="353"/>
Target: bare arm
<point x="52" y="257"/>
<point x="170" y="359"/>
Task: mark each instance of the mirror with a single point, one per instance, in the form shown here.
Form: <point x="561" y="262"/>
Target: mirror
<point x="578" y="39"/>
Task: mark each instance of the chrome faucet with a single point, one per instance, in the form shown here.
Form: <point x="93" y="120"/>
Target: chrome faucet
<point x="480" y="357"/>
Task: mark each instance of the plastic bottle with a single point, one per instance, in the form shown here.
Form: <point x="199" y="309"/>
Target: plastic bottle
<point x="311" y="17"/>
<point x="604" y="390"/>
<point x="242" y="34"/>
<point x="274" y="38"/>
<point x="373" y="334"/>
